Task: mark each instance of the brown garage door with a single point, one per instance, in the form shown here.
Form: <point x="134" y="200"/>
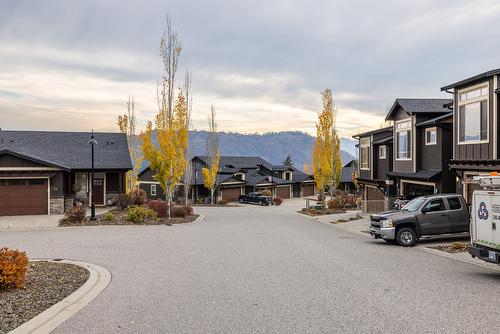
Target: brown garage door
<point x="23" y="197"/>
<point x="283" y="192"/>
<point x="231" y="194"/>
<point x="375" y="199"/>
<point x="308" y="190"/>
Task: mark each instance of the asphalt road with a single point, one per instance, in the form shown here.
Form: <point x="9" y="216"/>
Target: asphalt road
<point x="266" y="270"/>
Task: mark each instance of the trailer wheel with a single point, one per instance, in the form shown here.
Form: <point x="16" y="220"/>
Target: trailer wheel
<point x="406" y="237"/>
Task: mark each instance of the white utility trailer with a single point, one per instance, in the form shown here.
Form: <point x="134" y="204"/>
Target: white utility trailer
<point x="485" y="219"/>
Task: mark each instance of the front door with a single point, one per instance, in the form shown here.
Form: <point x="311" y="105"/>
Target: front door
<point x="98" y="191"/>
<point x="435" y="221"/>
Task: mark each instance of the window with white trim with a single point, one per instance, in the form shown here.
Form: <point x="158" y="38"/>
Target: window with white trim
<point x="364" y="148"/>
<point x="382" y="152"/>
<point x="473" y="115"/>
<point x="153" y="190"/>
<point x="403" y="140"/>
<point x="431" y="136"/>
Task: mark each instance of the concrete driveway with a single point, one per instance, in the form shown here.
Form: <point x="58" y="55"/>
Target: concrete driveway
<point x="259" y="269"/>
<point x="36" y="221"/>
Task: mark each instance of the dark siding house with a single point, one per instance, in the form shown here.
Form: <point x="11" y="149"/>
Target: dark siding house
<point x="375" y="160"/>
<point x="422" y="132"/>
<point x="44" y="172"/>
<point x="348" y="173"/>
<point x="237" y="176"/>
<point x="475" y="129"/>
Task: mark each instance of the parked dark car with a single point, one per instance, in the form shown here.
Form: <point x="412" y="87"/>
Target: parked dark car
<point x="426" y="215"/>
<point x="256" y="198"/>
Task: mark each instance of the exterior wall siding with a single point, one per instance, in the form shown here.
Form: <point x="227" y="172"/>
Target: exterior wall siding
<point x="474" y="151"/>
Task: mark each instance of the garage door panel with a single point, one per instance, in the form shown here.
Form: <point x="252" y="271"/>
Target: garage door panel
<point x="308" y="190"/>
<point x="231" y="194"/>
<point x="283" y="192"/>
<point x="27" y="199"/>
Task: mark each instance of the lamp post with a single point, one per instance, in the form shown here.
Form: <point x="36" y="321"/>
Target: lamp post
<point x="92" y="142"/>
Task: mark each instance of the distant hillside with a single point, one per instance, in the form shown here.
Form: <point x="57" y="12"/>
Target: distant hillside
<point x="273" y="147"/>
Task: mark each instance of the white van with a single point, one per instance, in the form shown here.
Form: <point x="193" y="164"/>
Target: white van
<point x="485" y="220"/>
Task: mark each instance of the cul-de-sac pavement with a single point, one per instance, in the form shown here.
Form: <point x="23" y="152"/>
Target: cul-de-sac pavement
<point x="255" y="269"/>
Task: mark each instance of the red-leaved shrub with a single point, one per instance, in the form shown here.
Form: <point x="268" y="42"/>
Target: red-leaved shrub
<point x="13" y="267"/>
<point x="160" y="207"/>
<point x="277" y="200"/>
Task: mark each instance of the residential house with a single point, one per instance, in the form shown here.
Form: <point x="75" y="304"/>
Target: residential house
<point x="475" y="129"/>
<point x="375" y="161"/>
<point x="238" y="175"/>
<point x="422" y="132"/>
<point x="45" y="172"/>
<point x="349" y="171"/>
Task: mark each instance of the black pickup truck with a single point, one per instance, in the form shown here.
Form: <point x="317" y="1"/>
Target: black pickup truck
<point x="422" y="216"/>
<point x="256" y="198"/>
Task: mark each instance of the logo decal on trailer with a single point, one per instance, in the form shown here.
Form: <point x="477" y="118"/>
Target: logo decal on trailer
<point x="482" y="212"/>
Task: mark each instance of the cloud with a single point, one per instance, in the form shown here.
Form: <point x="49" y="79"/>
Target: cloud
<point x="263" y="63"/>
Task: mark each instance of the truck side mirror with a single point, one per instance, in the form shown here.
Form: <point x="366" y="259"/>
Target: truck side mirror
<point x="425" y="210"/>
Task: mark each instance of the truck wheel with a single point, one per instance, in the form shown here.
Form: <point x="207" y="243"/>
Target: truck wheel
<point x="242" y="200"/>
<point x="406" y="237"/>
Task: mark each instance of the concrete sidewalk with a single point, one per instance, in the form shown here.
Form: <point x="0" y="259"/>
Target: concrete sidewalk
<point x="37" y="221"/>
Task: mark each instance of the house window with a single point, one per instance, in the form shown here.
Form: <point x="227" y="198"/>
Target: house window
<point x="240" y="175"/>
<point x="473" y="116"/>
<point x="403" y="140"/>
<point x="364" y="147"/>
<point x="153" y="190"/>
<point x="80" y="186"/>
<point x="430" y="136"/>
<point x="382" y="152"/>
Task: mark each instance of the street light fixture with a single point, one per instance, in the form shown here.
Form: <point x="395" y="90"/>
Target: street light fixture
<point x="92" y="142"/>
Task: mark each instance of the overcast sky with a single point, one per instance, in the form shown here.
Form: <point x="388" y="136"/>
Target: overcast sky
<point x="72" y="64"/>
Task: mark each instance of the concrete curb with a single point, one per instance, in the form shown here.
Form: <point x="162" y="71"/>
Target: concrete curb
<point x="57" y="314"/>
<point x="197" y="220"/>
<point x="419" y="248"/>
<point x="472" y="261"/>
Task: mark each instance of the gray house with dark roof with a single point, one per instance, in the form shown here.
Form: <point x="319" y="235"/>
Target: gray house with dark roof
<point x="476" y="124"/>
<point x="43" y="172"/>
<point x="237" y="175"/>
<point x="422" y="135"/>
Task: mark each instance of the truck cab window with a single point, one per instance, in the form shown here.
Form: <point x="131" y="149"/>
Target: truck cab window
<point x="436" y="205"/>
<point x="454" y="203"/>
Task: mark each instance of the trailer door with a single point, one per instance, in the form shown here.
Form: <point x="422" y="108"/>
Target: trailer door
<point x="486" y="214"/>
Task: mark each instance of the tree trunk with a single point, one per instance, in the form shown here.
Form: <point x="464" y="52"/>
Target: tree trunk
<point x="212" y="196"/>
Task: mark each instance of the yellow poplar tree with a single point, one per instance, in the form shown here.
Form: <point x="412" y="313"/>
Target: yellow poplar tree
<point x="322" y="155"/>
<point x="167" y="159"/>
<point x="337" y="162"/>
<point x="126" y="124"/>
<point x="210" y="172"/>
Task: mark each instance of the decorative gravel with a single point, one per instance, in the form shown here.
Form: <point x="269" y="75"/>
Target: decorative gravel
<point x="120" y="218"/>
<point x="47" y="283"/>
<point x="456" y="247"/>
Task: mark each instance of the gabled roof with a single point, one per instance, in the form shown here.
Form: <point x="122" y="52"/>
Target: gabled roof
<point x="239" y="162"/>
<point x="415" y="106"/>
<point x="372" y="132"/>
<point x="472" y="79"/>
<point x="348" y="170"/>
<point x="68" y="150"/>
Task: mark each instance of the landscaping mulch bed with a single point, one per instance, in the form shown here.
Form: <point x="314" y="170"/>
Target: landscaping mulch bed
<point x="350" y="219"/>
<point x="218" y="205"/>
<point x="456" y="247"/>
<point x="321" y="212"/>
<point x="47" y="283"/>
<point x="120" y="218"/>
